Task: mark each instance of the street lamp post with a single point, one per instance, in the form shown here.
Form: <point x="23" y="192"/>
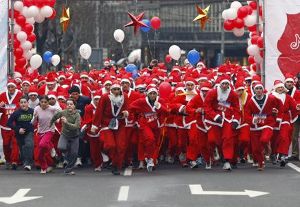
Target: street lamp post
<point x="11" y="23"/>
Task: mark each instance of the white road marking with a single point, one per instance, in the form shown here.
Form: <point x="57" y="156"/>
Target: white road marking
<point x="123" y="193"/>
<point x="19" y="197"/>
<point x="198" y="190"/>
<point x="128" y="171"/>
<point x="293" y="166"/>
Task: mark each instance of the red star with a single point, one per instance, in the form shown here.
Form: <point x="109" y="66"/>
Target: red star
<point x="136" y="21"/>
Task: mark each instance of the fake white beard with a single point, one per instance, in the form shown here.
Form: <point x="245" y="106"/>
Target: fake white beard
<point x="223" y="95"/>
<point x="33" y="104"/>
<point x="116" y="100"/>
<point x="279" y="96"/>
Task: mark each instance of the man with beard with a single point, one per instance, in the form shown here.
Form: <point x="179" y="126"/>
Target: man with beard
<point x="110" y="115"/>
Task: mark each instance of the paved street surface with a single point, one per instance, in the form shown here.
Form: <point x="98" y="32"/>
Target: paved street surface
<point x="167" y="186"/>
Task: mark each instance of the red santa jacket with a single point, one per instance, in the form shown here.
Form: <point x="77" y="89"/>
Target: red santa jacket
<point x="147" y="114"/>
<point x="132" y="96"/>
<point x="197" y="103"/>
<point x="105" y="112"/>
<point x="177" y="105"/>
<point x="216" y="105"/>
<point x="289" y="112"/>
<point x="11" y="104"/>
<point x="242" y="103"/>
<point x="254" y="111"/>
<point x="89" y="114"/>
<point x="43" y="90"/>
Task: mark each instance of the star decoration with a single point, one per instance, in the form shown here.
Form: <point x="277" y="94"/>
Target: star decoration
<point x="65" y="19"/>
<point x="136" y="21"/>
<point x="202" y="17"/>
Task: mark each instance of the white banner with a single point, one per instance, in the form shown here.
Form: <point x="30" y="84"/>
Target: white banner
<point x="282" y="39"/>
<point x="3" y="43"/>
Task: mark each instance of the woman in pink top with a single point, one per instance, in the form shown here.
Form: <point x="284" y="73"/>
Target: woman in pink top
<point x="43" y="114"/>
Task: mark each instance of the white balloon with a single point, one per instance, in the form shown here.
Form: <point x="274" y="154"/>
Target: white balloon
<point x="26" y="45"/>
<point x="119" y="35"/>
<point x="231" y="14"/>
<point x="225" y="14"/>
<point x="238" y="32"/>
<point x="55" y="60"/>
<point x="27" y="54"/>
<point x="39" y="18"/>
<point x="258" y="59"/>
<point x="236" y="5"/>
<point x="175" y="52"/>
<point x="33" y="11"/>
<point x="22" y="36"/>
<point x="18" y="5"/>
<point x="36" y="61"/>
<point x="250" y="20"/>
<point x="25" y="12"/>
<point x="249" y="42"/>
<point x="253" y="50"/>
<point x="46" y="11"/>
<point x="17" y="28"/>
<point x="30" y="20"/>
<point x="85" y="51"/>
<point x="30" y="70"/>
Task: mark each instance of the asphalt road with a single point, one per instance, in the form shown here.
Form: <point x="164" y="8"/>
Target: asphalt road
<point x="167" y="186"/>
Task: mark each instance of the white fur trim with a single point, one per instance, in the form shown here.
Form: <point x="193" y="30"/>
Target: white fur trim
<point x="289" y="79"/>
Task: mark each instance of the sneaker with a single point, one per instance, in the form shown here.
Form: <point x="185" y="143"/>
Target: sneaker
<point x="2" y="161"/>
<point x="216" y="155"/>
<point x="43" y="172"/>
<point x="273" y="159"/>
<point x="78" y="162"/>
<point x="161" y="158"/>
<point x="260" y="166"/>
<point x="98" y="169"/>
<point x="8" y="166"/>
<point x="27" y="167"/>
<point x="227" y="166"/>
<point x="199" y="161"/>
<point x="69" y="171"/>
<point x="53" y="153"/>
<point x="49" y="169"/>
<point x="249" y="159"/>
<point x="208" y="165"/>
<point x="193" y="164"/>
<point x="65" y="163"/>
<point x="255" y="164"/>
<point x="14" y="166"/>
<point x="141" y="165"/>
<point x="150" y="164"/>
<point x="115" y="170"/>
<point x="283" y="161"/>
<point x="60" y="165"/>
<point x="170" y="159"/>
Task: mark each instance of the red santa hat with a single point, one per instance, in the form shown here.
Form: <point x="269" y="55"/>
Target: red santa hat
<point x="206" y="86"/>
<point x="33" y="90"/>
<point x="84" y="74"/>
<point x="115" y="84"/>
<point x="26" y="81"/>
<point x="190" y="80"/>
<point x="50" y="78"/>
<point x="201" y="65"/>
<point x="107" y="81"/>
<point x="106" y="62"/>
<point x="278" y="83"/>
<point x="239" y="85"/>
<point x="52" y="94"/>
<point x="224" y="79"/>
<point x="289" y="77"/>
<point x="180" y="86"/>
<point x="125" y="79"/>
<point x="11" y="82"/>
<point x="256" y="78"/>
<point x="139" y="83"/>
<point x="97" y="94"/>
<point x="61" y="74"/>
<point x="258" y="84"/>
<point x="62" y="95"/>
<point x="151" y="88"/>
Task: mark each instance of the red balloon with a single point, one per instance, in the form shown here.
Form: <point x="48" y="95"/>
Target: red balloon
<point x="250" y="10"/>
<point x="40" y="3"/>
<point x="53" y="14"/>
<point x="253" y="67"/>
<point x="239" y="23"/>
<point x="242" y="12"/>
<point x="251" y="60"/>
<point x="21" y="62"/>
<point x="252" y="28"/>
<point x="31" y="37"/>
<point x="50" y="3"/>
<point x="155" y="23"/>
<point x="21" y="20"/>
<point x="18" y="52"/>
<point x="28" y="3"/>
<point x="262" y="54"/>
<point x="16" y="43"/>
<point x="168" y="58"/>
<point x="165" y="90"/>
<point x="253" y="5"/>
<point x="260" y="42"/>
<point x="228" y="25"/>
<point x="28" y="28"/>
<point x="20" y="70"/>
<point x="260" y="11"/>
<point x="254" y="39"/>
<point x="16" y="13"/>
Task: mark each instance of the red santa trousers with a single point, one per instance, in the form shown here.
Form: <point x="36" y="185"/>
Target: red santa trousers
<point x="95" y="150"/>
<point x="221" y="137"/>
<point x="198" y="144"/>
<point x="282" y="139"/>
<point x="172" y="141"/>
<point x="132" y="136"/>
<point x="45" y="145"/>
<point x="10" y="146"/>
<point x="115" y="144"/>
<point x="259" y="140"/>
